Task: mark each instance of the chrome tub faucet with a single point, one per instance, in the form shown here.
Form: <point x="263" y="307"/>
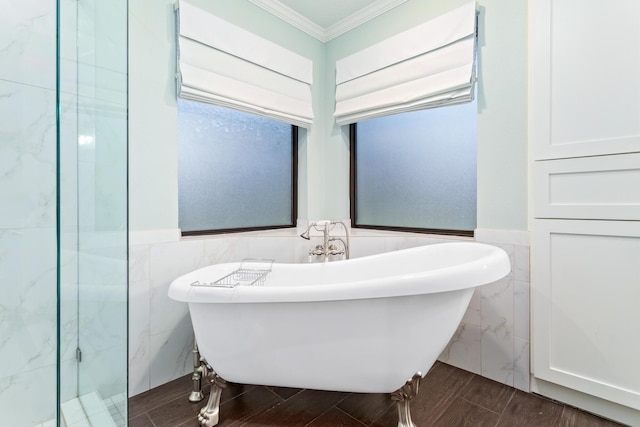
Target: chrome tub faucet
<point x="327" y="248"/>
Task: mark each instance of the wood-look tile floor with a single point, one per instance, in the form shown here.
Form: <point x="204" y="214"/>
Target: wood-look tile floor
<point x="448" y="397"/>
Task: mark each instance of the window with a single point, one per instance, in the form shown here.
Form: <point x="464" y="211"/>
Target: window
<point x="236" y="171"/>
<point x="416" y="171"/>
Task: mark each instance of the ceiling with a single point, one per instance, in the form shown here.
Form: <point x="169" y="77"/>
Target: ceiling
<point x="326" y="19"/>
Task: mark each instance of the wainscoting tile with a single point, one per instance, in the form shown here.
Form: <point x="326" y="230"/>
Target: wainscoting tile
<point x="511" y="252"/>
<point x="139" y="336"/>
<point x="399" y="243"/>
<point x="521" y="309"/>
<point x="170" y="353"/>
<point x="139" y="263"/>
<point x="279" y="249"/>
<point x="473" y="315"/>
<point x="168" y="262"/>
<point x="363" y="246"/>
<point x="497" y="331"/>
<point x="520" y="266"/>
<point x="219" y="250"/>
<point x="465" y="348"/>
<point x="521" y="368"/>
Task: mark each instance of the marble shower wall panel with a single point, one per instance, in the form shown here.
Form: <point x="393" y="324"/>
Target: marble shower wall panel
<point x="27" y="211"/>
<point x="110" y="170"/>
<point x="28" y="304"/>
<point x="20" y="412"/>
<point x="28" y="43"/>
<point x="68" y="242"/>
<point x="27" y="156"/>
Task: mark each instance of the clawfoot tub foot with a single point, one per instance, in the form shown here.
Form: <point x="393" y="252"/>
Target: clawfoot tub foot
<point x="402" y="397"/>
<point x="208" y="416"/>
<point x="198" y="370"/>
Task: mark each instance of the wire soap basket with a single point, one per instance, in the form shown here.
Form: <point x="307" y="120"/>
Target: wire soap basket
<point x="252" y="272"/>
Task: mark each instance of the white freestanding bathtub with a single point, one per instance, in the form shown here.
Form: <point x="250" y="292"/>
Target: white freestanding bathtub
<point x="373" y="324"/>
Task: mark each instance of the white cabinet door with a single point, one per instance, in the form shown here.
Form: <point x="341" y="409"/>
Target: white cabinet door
<point x="585" y="68"/>
<point x="586" y="307"/>
<point x="585" y="248"/>
<point x="599" y="187"/>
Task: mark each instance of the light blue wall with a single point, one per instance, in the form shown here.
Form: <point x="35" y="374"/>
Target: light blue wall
<point x="153" y="114"/>
<point x="502" y="116"/>
<point x="324" y="151"/>
<point x="153" y="166"/>
<point x="502" y="113"/>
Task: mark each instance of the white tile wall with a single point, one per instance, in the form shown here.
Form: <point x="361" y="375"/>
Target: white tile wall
<point x="28" y="46"/>
<point x="27" y="212"/>
<point x="28" y="300"/>
<point x="498" y="347"/>
<point x="492" y="340"/>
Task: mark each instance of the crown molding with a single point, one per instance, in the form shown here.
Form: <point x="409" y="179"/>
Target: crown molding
<point x="364" y="15"/>
<point x="292" y="17"/>
<point x="325" y="34"/>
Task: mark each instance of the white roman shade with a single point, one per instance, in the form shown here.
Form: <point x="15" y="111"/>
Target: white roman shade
<point x="430" y="65"/>
<point x="223" y="64"/>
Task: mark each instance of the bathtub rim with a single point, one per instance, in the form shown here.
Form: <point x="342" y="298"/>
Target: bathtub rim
<point x="489" y="264"/>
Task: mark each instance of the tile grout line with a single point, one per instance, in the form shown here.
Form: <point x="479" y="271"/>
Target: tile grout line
<point x="335" y="405"/>
<point x="452" y="397"/>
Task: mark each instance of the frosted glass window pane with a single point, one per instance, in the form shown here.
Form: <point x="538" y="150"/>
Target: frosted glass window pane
<point x="418" y="169"/>
<point x="235" y="169"/>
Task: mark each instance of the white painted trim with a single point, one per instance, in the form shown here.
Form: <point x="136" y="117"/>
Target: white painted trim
<point x="595" y="405"/>
<point x="304" y="24"/>
<point x="148" y="237"/>
<point x="513" y="237"/>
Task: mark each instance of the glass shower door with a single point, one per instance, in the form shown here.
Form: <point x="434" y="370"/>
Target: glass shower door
<point x="93" y="282"/>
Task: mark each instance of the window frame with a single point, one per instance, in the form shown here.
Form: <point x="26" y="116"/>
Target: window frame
<point x="354" y="202"/>
<point x="294" y="200"/>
